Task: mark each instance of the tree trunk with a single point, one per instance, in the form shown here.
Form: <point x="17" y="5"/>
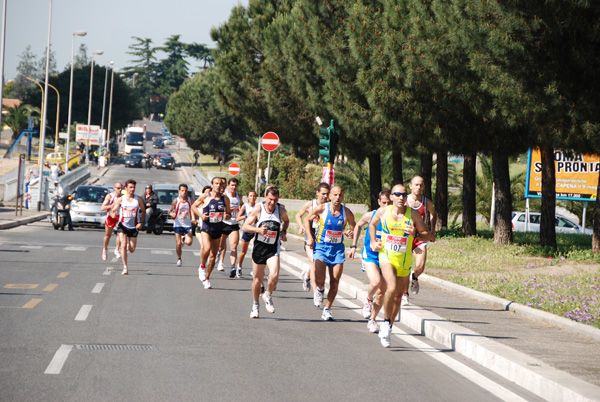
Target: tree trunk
<point x="503" y="210"/>
<point x="547" y="229"/>
<point x="426" y="169"/>
<point x="397" y="174"/>
<point x="441" y="190"/>
<point x="469" y="227"/>
<point x="374" y="178"/>
<point x="596" y="227"/>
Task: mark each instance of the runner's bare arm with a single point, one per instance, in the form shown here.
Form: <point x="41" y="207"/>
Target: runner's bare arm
<point x="241" y="216"/>
<point x="285" y="223"/>
<point x="143" y="210"/>
<point x="351" y="222"/>
<point x="192" y="213"/>
<point x="316" y="212"/>
<point x="227" y="209"/>
<point x="115" y="207"/>
<point x="420" y="226"/>
<point x="432" y="220"/>
<point x="300" y="214"/>
<point x="172" y="209"/>
<point x="106" y="204"/>
<point x="375" y="244"/>
<point x="250" y="221"/>
<point x="197" y="204"/>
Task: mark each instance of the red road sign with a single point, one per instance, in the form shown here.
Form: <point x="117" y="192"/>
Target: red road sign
<point x="270" y="141"/>
<point x="234" y="169"/>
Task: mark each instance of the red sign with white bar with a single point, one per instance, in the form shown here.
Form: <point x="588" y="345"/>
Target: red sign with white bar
<point x="328" y="175"/>
<point x="270" y="141"/>
<point x="234" y="169"/>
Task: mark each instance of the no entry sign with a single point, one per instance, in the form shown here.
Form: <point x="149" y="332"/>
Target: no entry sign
<point x="234" y="169"/>
<point x="270" y="141"/>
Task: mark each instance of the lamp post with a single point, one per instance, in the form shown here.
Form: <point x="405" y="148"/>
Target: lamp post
<point x="2" y="60"/>
<point x="57" y="116"/>
<point x="89" y="122"/>
<point x="41" y="89"/>
<point x="104" y="98"/>
<point x="112" y="84"/>
<point x="76" y="33"/>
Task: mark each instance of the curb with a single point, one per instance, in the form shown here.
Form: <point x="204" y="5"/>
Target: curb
<point x="24" y="221"/>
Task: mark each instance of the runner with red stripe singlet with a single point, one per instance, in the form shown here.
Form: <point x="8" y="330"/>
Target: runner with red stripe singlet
<point x="131" y="215"/>
<point x="321" y="197"/>
<point x="245" y="210"/>
<point x="231" y="228"/>
<point x="109" y="222"/>
<point x="183" y="218"/>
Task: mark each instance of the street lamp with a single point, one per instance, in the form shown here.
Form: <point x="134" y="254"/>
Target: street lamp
<point x="76" y="33"/>
<point x="104" y="98"/>
<point x="112" y="84"/>
<point x="57" y="116"/>
<point x="87" y="142"/>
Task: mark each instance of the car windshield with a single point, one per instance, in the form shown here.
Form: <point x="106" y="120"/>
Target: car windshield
<point x="137" y="151"/>
<point x="166" y="196"/>
<point x="91" y="194"/>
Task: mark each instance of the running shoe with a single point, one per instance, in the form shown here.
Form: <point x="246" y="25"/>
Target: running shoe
<point x="404" y="300"/>
<point x="372" y="326"/>
<point x="367" y="307"/>
<point x="179" y="262"/>
<point x="326" y="316"/>
<point x="220" y="267"/>
<point x="305" y="282"/>
<point x="414" y="284"/>
<point x="385" y="334"/>
<point x="125" y="271"/>
<point x="268" y="299"/>
<point x="232" y="272"/>
<point x="318" y="298"/>
<point x="117" y="253"/>
<point x="254" y="312"/>
<point x="238" y="272"/>
<point x="202" y="274"/>
<point x="207" y="284"/>
<point x="104" y="255"/>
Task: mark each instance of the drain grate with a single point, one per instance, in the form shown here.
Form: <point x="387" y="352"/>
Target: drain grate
<point x="81" y="346"/>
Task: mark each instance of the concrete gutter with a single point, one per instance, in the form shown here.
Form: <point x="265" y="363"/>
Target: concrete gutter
<point x="23" y="221"/>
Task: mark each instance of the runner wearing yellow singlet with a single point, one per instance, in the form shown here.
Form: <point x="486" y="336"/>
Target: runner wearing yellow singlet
<point x="395" y="251"/>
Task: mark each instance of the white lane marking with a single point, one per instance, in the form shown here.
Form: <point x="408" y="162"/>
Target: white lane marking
<point x="98" y="287"/>
<point x="436" y="354"/>
<point x="84" y="312"/>
<point x="75" y="248"/>
<point x="108" y="271"/>
<point x="32" y="247"/>
<point x="196" y="253"/>
<point x="59" y="359"/>
<point x="163" y="252"/>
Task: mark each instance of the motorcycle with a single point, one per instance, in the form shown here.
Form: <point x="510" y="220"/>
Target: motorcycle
<point x="157" y="221"/>
<point x="60" y="211"/>
<point x="147" y="163"/>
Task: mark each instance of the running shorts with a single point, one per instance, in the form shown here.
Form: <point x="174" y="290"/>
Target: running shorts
<point x="111" y="222"/>
<point x="418" y="243"/>
<point x="214" y="234"/>
<point x="330" y="254"/>
<point x="128" y="232"/>
<point x="182" y="230"/>
<point x="227" y="229"/>
<point x="247" y="236"/>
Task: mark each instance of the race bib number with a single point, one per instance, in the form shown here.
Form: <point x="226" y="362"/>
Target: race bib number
<point x="396" y="244"/>
<point x="333" y="236"/>
<point x="215" y="217"/>
<point x="129" y="212"/>
<point x="268" y="238"/>
<point x="234" y="212"/>
<point x="184" y="214"/>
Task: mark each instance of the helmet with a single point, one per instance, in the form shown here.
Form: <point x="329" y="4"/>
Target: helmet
<point x="149" y="186"/>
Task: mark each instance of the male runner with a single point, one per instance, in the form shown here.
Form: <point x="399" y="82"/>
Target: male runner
<point x="214" y="210"/>
<point x="417" y="200"/>
<point x="131" y="215"/>
<point x="399" y="225"/>
<point x="220" y="266"/>
<point x="370" y="260"/>
<point x="321" y="196"/>
<point x="246" y="236"/>
<point x="231" y="228"/>
<point x="329" y="249"/>
<point x="183" y="218"/>
<point x="109" y="222"/>
<point x="268" y="222"/>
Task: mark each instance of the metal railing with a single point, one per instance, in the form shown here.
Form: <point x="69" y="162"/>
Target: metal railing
<point x="10" y="189"/>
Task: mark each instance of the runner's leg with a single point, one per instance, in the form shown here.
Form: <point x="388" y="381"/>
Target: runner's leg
<point x="335" y="274"/>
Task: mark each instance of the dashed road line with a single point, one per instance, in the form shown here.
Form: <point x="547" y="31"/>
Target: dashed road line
<point x="83" y="312"/>
<point x="50" y="287"/>
<point x="98" y="287"/>
<point x="75" y="248"/>
<point x="62" y="275"/>
<point x="59" y="359"/>
<point x="32" y="303"/>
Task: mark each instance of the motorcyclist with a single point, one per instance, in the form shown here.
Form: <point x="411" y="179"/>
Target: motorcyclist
<point x="148" y="161"/>
<point x="150" y="202"/>
<point x="65" y="200"/>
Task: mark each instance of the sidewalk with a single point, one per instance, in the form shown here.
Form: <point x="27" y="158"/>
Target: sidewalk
<point x="524" y="345"/>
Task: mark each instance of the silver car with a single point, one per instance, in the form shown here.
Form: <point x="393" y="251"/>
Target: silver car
<point x="562" y="224"/>
<point x="166" y="193"/>
<point x="85" y="207"/>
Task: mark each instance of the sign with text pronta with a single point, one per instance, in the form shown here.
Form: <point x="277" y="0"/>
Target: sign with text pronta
<point x="576" y="175"/>
<point x="84" y="132"/>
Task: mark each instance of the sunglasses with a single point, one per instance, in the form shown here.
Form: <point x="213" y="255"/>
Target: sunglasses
<point x="397" y="194"/>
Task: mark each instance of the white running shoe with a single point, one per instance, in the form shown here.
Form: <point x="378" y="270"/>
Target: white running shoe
<point x="414" y="284"/>
<point x="404" y="300"/>
<point x="372" y="326"/>
<point x="202" y="274"/>
<point x="367" y="307"/>
<point x="268" y="299"/>
<point x="179" y="262"/>
<point x="254" y="312"/>
<point x="305" y="282"/>
<point x="125" y="271"/>
<point x="238" y="272"/>
<point x="207" y="284"/>
<point x="385" y="334"/>
<point x="117" y="253"/>
<point x="326" y="316"/>
<point x="318" y="298"/>
<point x="220" y="267"/>
<point x="104" y="255"/>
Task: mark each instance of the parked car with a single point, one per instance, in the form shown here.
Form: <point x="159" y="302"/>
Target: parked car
<point x="85" y="207"/>
<point x="168" y="139"/>
<point x="159" y="154"/>
<point x="166" y="162"/>
<point x="166" y="193"/>
<point x="562" y="224"/>
<point x="158" y="143"/>
<point x="134" y="160"/>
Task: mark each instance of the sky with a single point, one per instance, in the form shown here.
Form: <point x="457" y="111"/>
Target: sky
<point x="110" y="25"/>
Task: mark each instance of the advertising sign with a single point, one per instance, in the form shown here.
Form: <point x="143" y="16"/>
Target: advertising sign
<point x="85" y="132"/>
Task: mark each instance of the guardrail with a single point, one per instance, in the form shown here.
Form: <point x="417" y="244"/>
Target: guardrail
<point x="201" y="179"/>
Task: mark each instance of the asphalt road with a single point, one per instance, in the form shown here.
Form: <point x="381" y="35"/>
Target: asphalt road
<point x="73" y="328"/>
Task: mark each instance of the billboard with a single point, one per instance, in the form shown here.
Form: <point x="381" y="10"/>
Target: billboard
<point x="576" y="175"/>
<point x="84" y="132"/>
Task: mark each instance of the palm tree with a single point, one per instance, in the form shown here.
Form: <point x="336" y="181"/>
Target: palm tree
<point x="17" y="117"/>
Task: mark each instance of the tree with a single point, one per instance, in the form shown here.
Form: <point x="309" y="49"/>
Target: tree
<point x="17" y="117"/>
<point x="41" y="69"/>
<point x="81" y="58"/>
<point x="27" y="67"/>
<point x="144" y="70"/>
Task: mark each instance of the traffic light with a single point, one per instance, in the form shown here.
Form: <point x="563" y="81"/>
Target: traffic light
<point x="328" y="144"/>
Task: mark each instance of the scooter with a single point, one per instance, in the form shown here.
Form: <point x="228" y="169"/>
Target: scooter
<point x="60" y="211"/>
<point x="157" y="221"/>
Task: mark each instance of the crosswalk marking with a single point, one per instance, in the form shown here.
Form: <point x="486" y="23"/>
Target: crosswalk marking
<point x="162" y="252"/>
<point x="75" y="248"/>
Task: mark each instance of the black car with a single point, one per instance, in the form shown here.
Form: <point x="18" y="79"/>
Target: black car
<point x="134" y="160"/>
<point x="166" y="162"/>
<point x="158" y="143"/>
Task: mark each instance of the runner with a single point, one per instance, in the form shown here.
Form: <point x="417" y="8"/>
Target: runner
<point x="395" y="251"/>
<point x="321" y="196"/>
<point x="183" y="218"/>
<point x="329" y="249"/>
<point x="417" y="200"/>
<point x="231" y="229"/>
<point x="269" y="223"/>
<point x="131" y="215"/>
<point x="246" y="236"/>
<point x="109" y="222"/>
<point x="370" y="260"/>
<point x="220" y="267"/>
<point x="214" y="209"/>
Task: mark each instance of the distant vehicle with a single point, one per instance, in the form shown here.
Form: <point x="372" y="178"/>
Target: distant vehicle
<point x="56" y="157"/>
<point x="166" y="162"/>
<point x="158" y="143"/>
<point x="562" y="224"/>
<point x="134" y="160"/>
<point x="159" y="154"/>
<point x="85" y="208"/>
<point x="135" y="151"/>
<point x="166" y="193"/>
<point x="135" y="138"/>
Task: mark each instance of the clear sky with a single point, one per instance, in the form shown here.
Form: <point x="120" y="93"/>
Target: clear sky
<point x="109" y="24"/>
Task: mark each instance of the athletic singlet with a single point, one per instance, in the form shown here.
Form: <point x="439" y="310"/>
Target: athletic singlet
<point x="234" y="205"/>
<point x="216" y="212"/>
<point x="315" y="221"/>
<point x="130" y="212"/>
<point x="330" y="229"/>
<point x="113" y="197"/>
<point x="396" y="244"/>
<point x="367" y="250"/>
<point x="247" y="210"/>
<point x="268" y="244"/>
<point x="183" y="217"/>
<point x="422" y="210"/>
